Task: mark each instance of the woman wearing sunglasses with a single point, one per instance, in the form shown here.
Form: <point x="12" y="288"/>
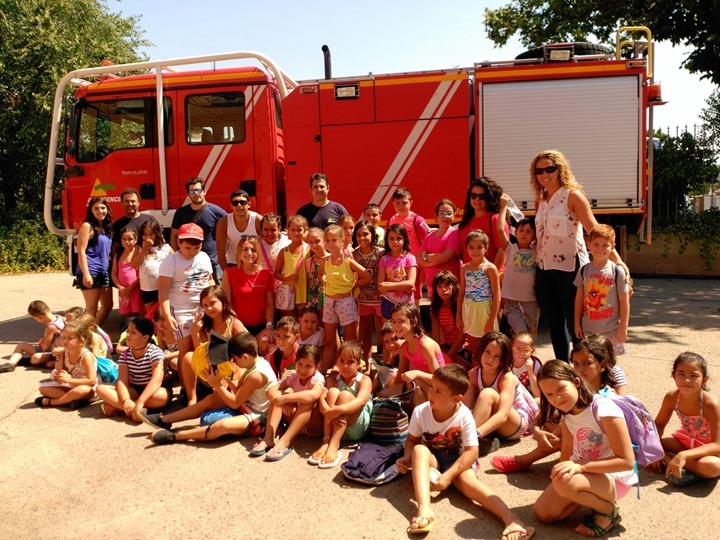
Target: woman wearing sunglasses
<point x="562" y="211"/>
<point x="482" y="205"/>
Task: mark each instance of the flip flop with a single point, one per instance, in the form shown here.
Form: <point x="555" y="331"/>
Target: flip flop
<point x="257" y="452"/>
<point x="313" y="460"/>
<point x="334" y="463"/>
<point x="430" y="523"/>
<point x="277" y="457"/>
<point x="527" y="532"/>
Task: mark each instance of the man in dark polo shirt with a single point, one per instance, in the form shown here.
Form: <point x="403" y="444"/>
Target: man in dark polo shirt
<point x="321" y="211"/>
<point x="130" y="199"/>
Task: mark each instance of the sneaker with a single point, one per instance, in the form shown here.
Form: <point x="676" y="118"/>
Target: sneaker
<point x="7" y="367"/>
<point x="154" y="420"/>
<point x="688" y="478"/>
<point x="487" y="446"/>
<point x="164" y="436"/>
<point x="507" y="464"/>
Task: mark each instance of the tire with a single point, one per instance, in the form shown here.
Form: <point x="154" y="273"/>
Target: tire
<point x="580" y="49"/>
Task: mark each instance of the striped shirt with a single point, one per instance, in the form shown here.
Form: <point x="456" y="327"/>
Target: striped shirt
<point x="141" y="368"/>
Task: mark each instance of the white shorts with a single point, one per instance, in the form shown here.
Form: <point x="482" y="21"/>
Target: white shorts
<point x="343" y="310"/>
<point x="185" y="321"/>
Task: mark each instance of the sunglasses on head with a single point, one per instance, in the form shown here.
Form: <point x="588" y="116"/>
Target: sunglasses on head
<point x="239" y="202"/>
<point x="549" y="170"/>
<point x="481" y="196"/>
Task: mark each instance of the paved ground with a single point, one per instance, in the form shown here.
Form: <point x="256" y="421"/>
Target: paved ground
<point x="76" y="474"/>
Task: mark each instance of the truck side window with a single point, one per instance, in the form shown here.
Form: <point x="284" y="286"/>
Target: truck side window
<point x="106" y="126"/>
<point x="215" y="118"/>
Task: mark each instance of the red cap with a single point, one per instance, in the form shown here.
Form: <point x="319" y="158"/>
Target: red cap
<point x="190" y="231"/>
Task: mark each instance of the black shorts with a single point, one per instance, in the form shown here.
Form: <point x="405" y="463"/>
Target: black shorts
<point x="100" y="280"/>
<point x="149" y="297"/>
<point x="256" y="329"/>
<point x="166" y="384"/>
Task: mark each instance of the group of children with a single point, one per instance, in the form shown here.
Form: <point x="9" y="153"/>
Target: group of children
<point x="471" y="384"/>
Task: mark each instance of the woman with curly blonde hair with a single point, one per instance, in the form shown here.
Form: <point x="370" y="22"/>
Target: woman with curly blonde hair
<point x="562" y="211"/>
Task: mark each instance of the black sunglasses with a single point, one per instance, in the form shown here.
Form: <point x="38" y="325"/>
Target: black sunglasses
<point x="481" y="196"/>
<point x="549" y="170"/>
<point x="238" y="202"/>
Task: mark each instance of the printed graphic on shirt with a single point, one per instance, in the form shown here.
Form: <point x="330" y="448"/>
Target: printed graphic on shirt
<point x="450" y="441"/>
<point x="195" y="276"/>
<point x="588" y="444"/>
<point x="524" y="262"/>
<point x="597" y="288"/>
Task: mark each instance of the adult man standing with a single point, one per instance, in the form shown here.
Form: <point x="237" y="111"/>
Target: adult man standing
<point x="204" y="214"/>
<point x="130" y="199"/>
<point x="321" y="211"/>
<point x="241" y="222"/>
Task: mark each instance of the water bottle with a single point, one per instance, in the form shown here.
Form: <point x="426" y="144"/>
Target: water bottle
<point x="514" y="210"/>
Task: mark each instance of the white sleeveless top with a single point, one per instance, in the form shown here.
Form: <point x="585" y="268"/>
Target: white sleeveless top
<point x="233" y="235"/>
<point x="559" y="234"/>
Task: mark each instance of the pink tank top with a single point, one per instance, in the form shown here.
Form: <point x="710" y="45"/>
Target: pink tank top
<point x="416" y="361"/>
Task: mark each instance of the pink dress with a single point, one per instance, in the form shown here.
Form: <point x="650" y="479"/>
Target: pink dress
<point x="133" y="302"/>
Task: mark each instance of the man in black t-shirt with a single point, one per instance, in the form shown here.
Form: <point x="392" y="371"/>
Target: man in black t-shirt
<point x="130" y="200"/>
<point x="321" y="211"/>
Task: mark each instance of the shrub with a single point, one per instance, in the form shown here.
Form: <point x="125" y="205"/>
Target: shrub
<point x="27" y="246"/>
<point x="704" y="228"/>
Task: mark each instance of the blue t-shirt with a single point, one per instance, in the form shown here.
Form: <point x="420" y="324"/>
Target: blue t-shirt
<point x="207" y="220"/>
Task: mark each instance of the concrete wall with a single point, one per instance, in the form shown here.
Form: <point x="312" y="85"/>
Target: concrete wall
<point x="666" y="260"/>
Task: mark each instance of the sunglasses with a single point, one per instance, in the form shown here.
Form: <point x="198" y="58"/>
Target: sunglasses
<point x="446" y="214"/>
<point x="194" y="191"/>
<point x="481" y="196"/>
<point x="239" y="202"/>
<point x="549" y="170"/>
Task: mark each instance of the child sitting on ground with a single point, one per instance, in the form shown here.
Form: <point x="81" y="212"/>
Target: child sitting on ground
<point x="443" y="440"/>
<point x="443" y="307"/>
<point x="310" y="332"/>
<point x="166" y="340"/>
<point x="346" y="406"/>
<point x="293" y="400"/>
<point x="386" y="369"/>
<point x="40" y="353"/>
<point x="525" y="364"/>
<point x="143" y="375"/>
<point x="234" y="408"/>
<point x="282" y="357"/>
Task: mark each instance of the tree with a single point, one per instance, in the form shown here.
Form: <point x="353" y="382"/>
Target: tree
<point x="695" y="24"/>
<point x="43" y="40"/>
<point x="710" y="116"/>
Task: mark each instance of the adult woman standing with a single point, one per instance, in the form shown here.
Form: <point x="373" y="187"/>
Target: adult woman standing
<point x="482" y="205"/>
<point x="93" y="248"/>
<point x="562" y="211"/>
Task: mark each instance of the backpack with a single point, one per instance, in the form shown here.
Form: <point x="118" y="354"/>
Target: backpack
<point x="373" y="464"/>
<point x="641" y="426"/>
<point x="107" y="370"/>
<point x="389" y="423"/>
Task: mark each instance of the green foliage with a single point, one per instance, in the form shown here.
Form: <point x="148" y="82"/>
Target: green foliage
<point x="703" y="228"/>
<point x="41" y="41"/>
<point x="694" y="24"/>
<point x="710" y="116"/>
<point x="27" y="246"/>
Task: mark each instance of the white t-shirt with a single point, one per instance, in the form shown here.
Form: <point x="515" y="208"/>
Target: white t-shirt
<point x="452" y="436"/>
<point x="589" y="440"/>
<point x="150" y="267"/>
<point x="272" y="251"/>
<point x="317" y="338"/>
<point x="189" y="278"/>
<point x="519" y="278"/>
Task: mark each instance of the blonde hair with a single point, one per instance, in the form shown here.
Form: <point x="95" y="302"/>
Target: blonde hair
<point x="256" y="246"/>
<point x="606" y="232"/>
<point x="565" y="174"/>
<point x="82" y="329"/>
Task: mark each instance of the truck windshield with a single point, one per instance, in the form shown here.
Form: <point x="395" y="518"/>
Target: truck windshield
<point x="107" y="126"/>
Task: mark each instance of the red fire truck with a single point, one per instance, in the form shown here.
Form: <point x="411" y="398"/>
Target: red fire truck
<point x="431" y="131"/>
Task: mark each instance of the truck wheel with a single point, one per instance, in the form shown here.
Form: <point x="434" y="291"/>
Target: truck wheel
<point x="580" y="49"/>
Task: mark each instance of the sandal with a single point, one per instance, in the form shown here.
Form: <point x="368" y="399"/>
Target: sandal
<point x="109" y="410"/>
<point x="526" y="533"/>
<point x="260" y="448"/>
<point x="421" y="525"/>
<point x="40" y="401"/>
<point x="598" y="531"/>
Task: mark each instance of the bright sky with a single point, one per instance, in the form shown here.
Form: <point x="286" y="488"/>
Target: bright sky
<point x="378" y="36"/>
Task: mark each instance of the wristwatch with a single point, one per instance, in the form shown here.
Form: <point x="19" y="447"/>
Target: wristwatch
<point x="269" y="325"/>
<point x="424" y="256"/>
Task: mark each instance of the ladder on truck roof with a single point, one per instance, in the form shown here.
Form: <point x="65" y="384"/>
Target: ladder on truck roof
<point x="284" y="82"/>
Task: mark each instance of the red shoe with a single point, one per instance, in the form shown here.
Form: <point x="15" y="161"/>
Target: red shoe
<point x="507" y="464"/>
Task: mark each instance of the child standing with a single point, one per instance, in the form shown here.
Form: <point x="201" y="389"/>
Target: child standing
<point x="373" y="214"/>
<point x="693" y="451"/>
<point x="420" y="356"/>
<point x="339" y="272"/>
<point x="75" y="374"/>
<point x="292" y="399"/>
<point x="290" y="270"/>
<point x="348" y="398"/>
<point x="238" y="408"/>
<point x="596" y="461"/>
<point x="40" y="353"/>
<point x="147" y="260"/>
<point x="442" y="438"/>
<point x="443" y="307"/>
<point x="348" y="226"/>
<point x="480" y="292"/>
<point x="143" y="375"/>
<point x="272" y="240"/>
<point x="314" y="262"/>
<point x="125" y="276"/>
<point x="397" y="271"/>
<point x="415" y="226"/>
<point x="520" y="305"/>
<point x="166" y="340"/>
<point x="602" y="301"/>
<point x="503" y="406"/>
<point x="368" y="255"/>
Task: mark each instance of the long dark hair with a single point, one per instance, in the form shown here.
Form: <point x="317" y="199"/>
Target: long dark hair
<point x="600" y="348"/>
<point x="444" y="277"/>
<point x="154" y="226"/>
<point x="493" y="192"/>
<point x="561" y="371"/>
<point x="506" y="362"/>
<point x="217" y="292"/>
<point x="397" y="228"/>
<point x="104" y="227"/>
